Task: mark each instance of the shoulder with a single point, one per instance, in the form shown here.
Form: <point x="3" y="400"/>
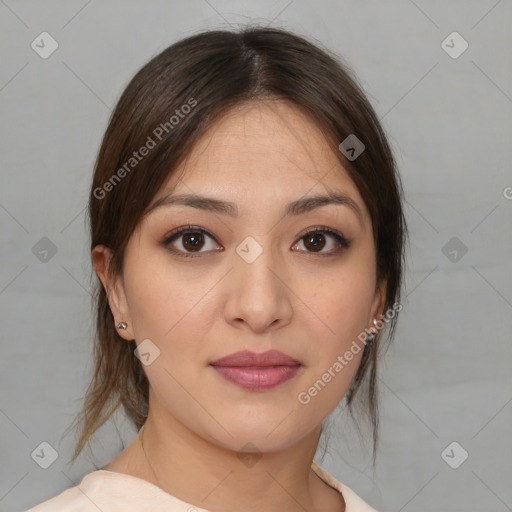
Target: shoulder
<point x="74" y="498"/>
<point x="109" y="491"/>
<point x="352" y="501"/>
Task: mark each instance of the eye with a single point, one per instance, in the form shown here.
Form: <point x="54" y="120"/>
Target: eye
<point x="187" y="240"/>
<point x="191" y="241"/>
<point x="323" y="237"/>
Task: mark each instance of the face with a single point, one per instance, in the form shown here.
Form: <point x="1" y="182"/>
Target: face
<point x="253" y="275"/>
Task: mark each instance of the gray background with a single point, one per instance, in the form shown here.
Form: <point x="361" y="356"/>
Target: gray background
<point x="447" y="377"/>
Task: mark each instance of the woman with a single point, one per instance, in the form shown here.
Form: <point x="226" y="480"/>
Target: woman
<point x="247" y="231"/>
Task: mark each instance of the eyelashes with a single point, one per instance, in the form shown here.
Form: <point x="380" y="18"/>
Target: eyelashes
<point x="195" y="237"/>
<point x="192" y="241"/>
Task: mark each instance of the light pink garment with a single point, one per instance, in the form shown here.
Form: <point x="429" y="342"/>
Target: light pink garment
<point x="108" y="491"/>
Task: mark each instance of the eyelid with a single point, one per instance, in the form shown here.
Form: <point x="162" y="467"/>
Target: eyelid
<point x="325" y="229"/>
<point x="341" y="239"/>
<point x="183" y="230"/>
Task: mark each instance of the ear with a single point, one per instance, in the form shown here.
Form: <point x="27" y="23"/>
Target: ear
<point x="378" y="304"/>
<point x="101" y="258"/>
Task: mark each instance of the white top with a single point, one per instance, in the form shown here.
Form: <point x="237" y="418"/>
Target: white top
<point x="109" y="491"/>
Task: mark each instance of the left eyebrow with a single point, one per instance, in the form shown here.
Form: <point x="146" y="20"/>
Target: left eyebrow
<point x="309" y="203"/>
<point x="298" y="207"/>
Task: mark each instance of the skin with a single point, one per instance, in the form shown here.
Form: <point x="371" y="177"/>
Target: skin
<point x="309" y="305"/>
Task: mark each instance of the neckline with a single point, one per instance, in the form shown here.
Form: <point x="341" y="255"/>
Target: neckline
<point x="322" y="473"/>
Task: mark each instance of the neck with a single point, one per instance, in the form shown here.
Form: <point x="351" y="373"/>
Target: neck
<point x="203" y="473"/>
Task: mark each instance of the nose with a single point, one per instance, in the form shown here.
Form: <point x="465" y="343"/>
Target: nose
<point x="257" y="295"/>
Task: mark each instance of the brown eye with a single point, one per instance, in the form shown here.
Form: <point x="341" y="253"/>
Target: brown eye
<point x="314" y="242"/>
<point x="193" y="241"/>
<point x="190" y="241"/>
<point x="318" y="239"/>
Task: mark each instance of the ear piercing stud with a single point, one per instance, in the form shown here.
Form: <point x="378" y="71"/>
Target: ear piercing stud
<point x="122" y="325"/>
<point x="370" y="339"/>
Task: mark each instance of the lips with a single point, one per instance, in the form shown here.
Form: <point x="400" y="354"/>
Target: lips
<point x="254" y="371"/>
<point x="264" y="359"/>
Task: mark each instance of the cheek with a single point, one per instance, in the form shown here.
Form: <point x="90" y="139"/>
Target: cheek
<point x="149" y="299"/>
<point x="166" y="302"/>
<point x="342" y="301"/>
<point x="336" y="354"/>
<point x="349" y="307"/>
<point x="343" y="298"/>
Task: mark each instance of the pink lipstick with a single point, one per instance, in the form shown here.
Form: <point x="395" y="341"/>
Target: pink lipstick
<point x="254" y="371"/>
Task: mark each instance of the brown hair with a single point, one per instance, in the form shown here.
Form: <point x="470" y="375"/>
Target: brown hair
<point x="212" y="72"/>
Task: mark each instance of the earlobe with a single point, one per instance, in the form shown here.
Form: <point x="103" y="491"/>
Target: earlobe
<point x="101" y="258"/>
<point x="379" y="301"/>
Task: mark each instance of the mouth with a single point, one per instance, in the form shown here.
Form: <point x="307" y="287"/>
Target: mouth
<point x="254" y="371"/>
<point x="257" y="378"/>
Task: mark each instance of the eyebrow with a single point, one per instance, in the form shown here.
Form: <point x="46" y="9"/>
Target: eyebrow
<point x="298" y="207"/>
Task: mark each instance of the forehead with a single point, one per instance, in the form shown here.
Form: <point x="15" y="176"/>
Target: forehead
<point x="264" y="148"/>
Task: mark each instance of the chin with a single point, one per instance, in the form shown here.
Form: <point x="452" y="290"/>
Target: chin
<point x="248" y="438"/>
